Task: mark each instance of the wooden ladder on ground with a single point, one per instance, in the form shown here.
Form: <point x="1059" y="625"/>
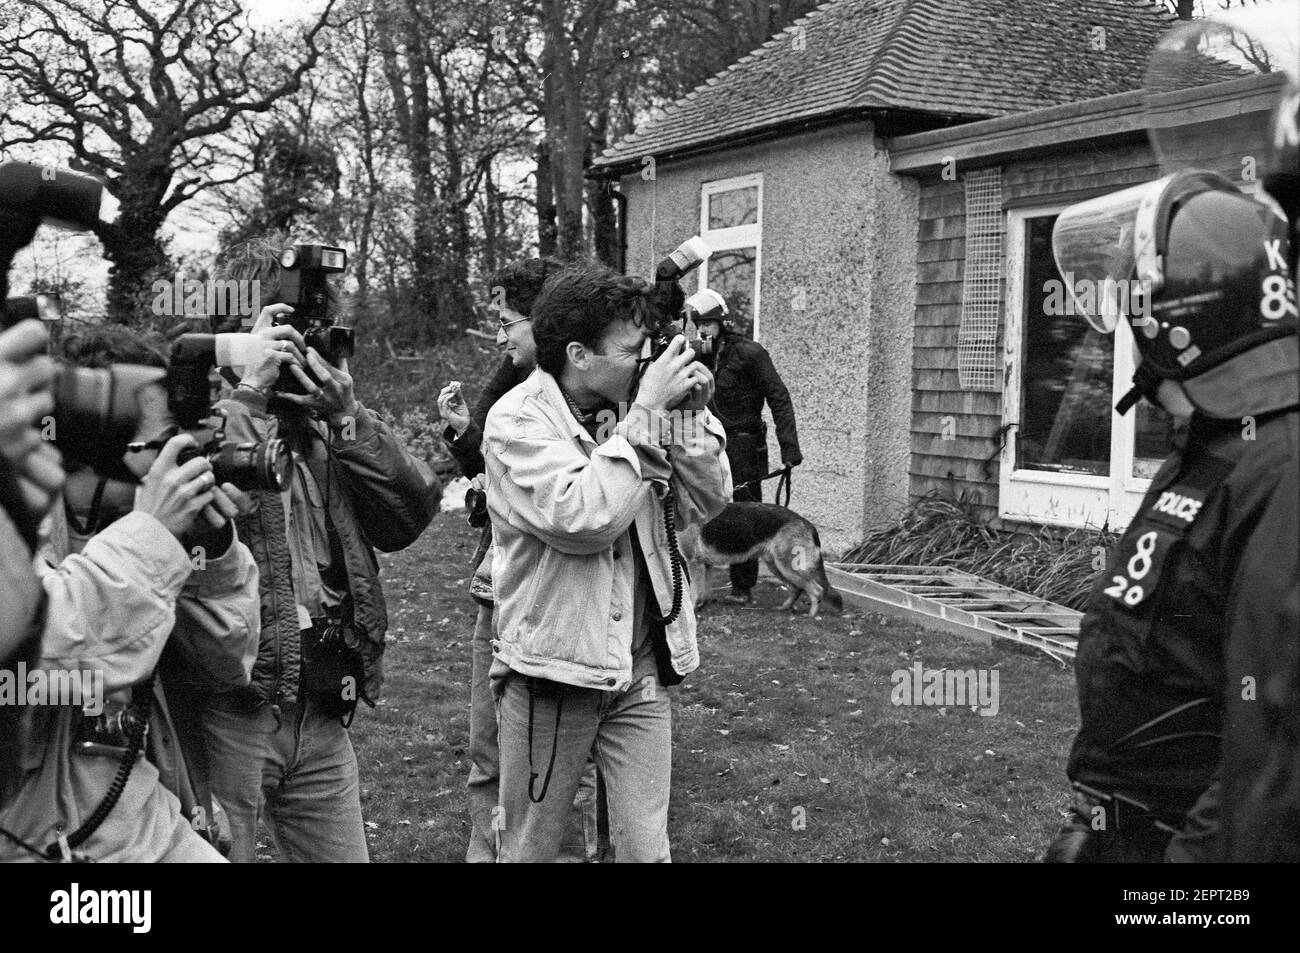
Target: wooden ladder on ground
<point x="959" y="602"/>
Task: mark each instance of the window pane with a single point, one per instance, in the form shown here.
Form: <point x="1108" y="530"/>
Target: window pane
<point x="1153" y="439"/>
<point x="1067" y="375"/>
<point x="734" y="207"/>
<point x="733" y="275"/>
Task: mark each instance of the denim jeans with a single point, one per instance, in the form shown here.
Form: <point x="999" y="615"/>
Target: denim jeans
<point x="579" y="842"/>
<point x="297" y="766"/>
<point x="632" y="736"/>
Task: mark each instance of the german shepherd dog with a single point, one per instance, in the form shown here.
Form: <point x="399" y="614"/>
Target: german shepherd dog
<point x="783" y="539"/>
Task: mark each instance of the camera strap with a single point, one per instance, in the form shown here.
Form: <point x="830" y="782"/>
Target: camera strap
<point x="63" y="848"/>
<point x="92" y="524"/>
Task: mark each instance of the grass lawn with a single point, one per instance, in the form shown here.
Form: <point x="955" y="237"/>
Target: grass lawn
<point x="788" y="719"/>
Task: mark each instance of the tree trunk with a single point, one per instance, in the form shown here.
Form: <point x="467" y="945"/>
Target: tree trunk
<point x="491" y="222"/>
<point x="565" y="128"/>
<point x="604" y="229"/>
<point x="136" y="256"/>
<point x="545" y="202"/>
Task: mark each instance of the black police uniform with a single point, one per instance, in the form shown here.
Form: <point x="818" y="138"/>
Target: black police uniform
<point x="743" y="378"/>
<point x="1192" y="593"/>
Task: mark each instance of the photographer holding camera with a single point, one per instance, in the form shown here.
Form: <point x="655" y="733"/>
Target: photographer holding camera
<point x="585" y="559"/>
<point x="30" y="479"/>
<point x="141" y="557"/>
<point x="514" y="290"/>
<point x="281" y="746"/>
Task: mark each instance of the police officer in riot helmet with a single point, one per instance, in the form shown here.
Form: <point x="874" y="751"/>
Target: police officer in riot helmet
<point x="1187" y="667"/>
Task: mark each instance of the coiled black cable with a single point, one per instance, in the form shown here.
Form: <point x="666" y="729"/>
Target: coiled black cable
<point x="142" y="703"/>
<point x="674" y="557"/>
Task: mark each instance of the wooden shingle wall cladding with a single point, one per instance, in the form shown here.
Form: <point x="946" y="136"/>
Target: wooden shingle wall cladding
<point x="954" y="431"/>
<point x="940" y="408"/>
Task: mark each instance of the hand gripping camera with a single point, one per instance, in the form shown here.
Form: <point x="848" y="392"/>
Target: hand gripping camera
<point x="304" y="284"/>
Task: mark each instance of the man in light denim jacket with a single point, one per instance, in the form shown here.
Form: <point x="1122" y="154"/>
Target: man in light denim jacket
<point x="590" y="625"/>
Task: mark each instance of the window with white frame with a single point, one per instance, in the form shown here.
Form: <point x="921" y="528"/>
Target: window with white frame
<point x="731" y="223"/>
<point x="1069" y="459"/>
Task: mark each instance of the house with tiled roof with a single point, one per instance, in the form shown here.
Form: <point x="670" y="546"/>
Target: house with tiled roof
<point x="877" y="184"/>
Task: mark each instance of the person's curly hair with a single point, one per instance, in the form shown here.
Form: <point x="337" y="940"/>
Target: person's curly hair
<point x="103" y="345"/>
<point x="258" y="259"/>
<point x="520" y="282"/>
<point x="578" y="304"/>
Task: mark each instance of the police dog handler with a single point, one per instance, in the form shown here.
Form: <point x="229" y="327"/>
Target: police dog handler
<point x="584" y="569"/>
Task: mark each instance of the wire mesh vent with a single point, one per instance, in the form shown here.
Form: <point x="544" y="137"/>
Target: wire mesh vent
<point x="981" y="294"/>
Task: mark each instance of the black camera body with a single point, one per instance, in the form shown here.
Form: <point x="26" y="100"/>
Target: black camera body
<point x="304" y="285"/>
<point x="253" y="465"/>
<point x="42" y="307"/>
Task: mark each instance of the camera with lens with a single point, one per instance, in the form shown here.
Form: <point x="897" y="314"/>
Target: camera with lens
<point x="476" y="510"/>
<point x="98" y="411"/>
<point x="668" y="301"/>
<point x="122" y="726"/>
<point x="304" y="285"/>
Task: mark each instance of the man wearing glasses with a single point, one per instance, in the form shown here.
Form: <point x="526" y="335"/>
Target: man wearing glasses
<point x="590" y="625"/>
<point x="513" y="290"/>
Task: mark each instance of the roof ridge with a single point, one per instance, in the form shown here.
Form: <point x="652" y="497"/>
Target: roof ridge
<point x="860" y="96"/>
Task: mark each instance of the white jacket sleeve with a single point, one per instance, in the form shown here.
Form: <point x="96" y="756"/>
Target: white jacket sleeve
<point x="112" y="606"/>
<point x="541" y="482"/>
<point x="218" y="617"/>
<point x="701" y="473"/>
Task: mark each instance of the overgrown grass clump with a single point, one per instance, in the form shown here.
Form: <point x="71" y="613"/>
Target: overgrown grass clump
<point x="939" y="529"/>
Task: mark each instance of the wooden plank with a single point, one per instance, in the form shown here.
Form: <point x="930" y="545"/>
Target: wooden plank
<point x="967" y="424"/>
<point x="934" y="359"/>
<point x="938" y="315"/>
<point x="936" y="203"/>
<point x="931" y="272"/>
<point x="972" y="403"/>
<point x="969" y="447"/>
<point x="936" y="336"/>
<point x="951" y="226"/>
<point x="945" y="292"/>
<point x="941" y="249"/>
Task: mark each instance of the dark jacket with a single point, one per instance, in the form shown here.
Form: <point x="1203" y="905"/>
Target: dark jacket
<point x="466" y="447"/>
<point x="1199" y="593"/>
<point x="745" y="377"/>
<point x="468" y="453"/>
<point x="376" y="495"/>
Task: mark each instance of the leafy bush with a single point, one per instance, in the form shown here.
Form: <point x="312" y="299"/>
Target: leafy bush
<point x="422" y="437"/>
<point x="939" y="529"/>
